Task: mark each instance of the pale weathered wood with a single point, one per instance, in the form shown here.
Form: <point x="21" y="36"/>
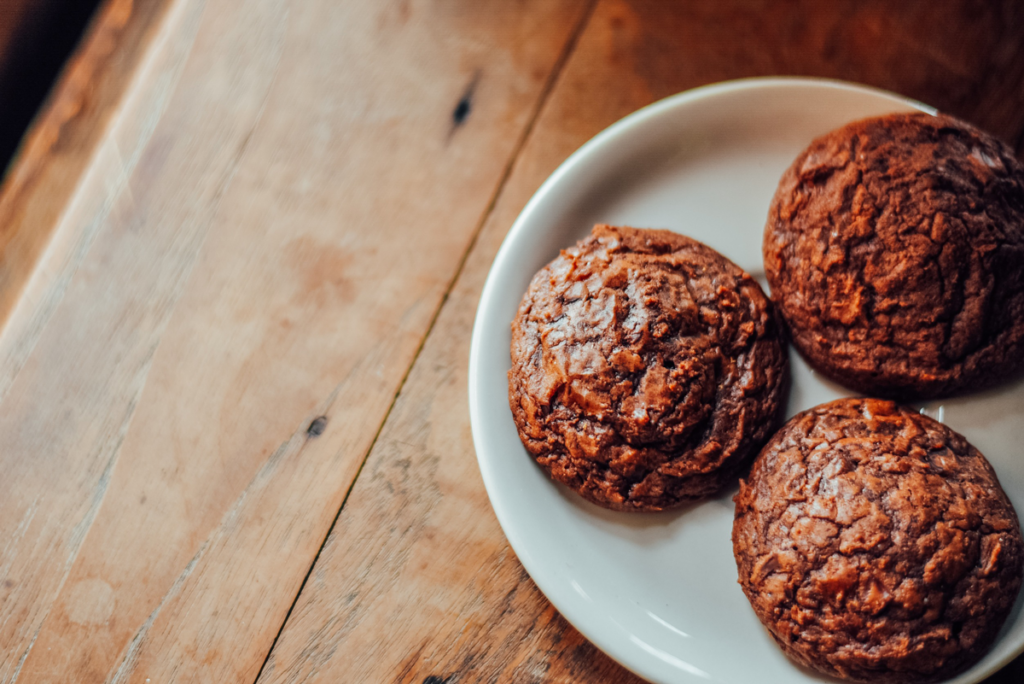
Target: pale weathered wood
<point x="68" y="388"/>
<point x="296" y="198"/>
<point x="416" y="582"/>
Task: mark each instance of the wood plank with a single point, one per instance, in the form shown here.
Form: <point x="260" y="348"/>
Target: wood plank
<point x="300" y="202"/>
<point x="68" y="388"/>
<point x="416" y="582"/>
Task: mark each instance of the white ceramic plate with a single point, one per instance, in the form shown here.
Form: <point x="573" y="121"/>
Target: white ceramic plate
<point x="658" y="592"/>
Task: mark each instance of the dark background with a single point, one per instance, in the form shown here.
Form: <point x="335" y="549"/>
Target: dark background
<point x="36" y="38"/>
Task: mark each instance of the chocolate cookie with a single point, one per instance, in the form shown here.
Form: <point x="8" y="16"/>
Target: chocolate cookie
<point x="875" y="543"/>
<point x="645" y="368"/>
<point x="895" y="252"/>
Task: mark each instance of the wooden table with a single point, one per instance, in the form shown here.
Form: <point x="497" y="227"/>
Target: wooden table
<point x="240" y="255"/>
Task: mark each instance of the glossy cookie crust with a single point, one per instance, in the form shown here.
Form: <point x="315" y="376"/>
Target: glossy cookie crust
<point x="894" y="248"/>
<point x="646" y="368"/>
<point x="876" y="544"/>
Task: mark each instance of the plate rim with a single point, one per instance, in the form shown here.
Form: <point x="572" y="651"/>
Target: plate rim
<point x="581" y="155"/>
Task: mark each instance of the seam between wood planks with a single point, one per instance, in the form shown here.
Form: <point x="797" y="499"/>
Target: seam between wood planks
<point x="549" y="85"/>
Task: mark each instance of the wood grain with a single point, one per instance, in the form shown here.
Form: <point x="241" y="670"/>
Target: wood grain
<point x="68" y="388"/>
<point x="220" y="251"/>
<point x="294" y="197"/>
<point x="416" y="582"/>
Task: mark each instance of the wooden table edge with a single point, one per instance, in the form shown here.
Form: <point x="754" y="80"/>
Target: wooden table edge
<point x="61" y="143"/>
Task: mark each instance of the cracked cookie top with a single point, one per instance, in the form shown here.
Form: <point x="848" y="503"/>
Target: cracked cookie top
<point x="894" y="248"/>
<point x="646" y="367"/>
<point x="876" y="544"/>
